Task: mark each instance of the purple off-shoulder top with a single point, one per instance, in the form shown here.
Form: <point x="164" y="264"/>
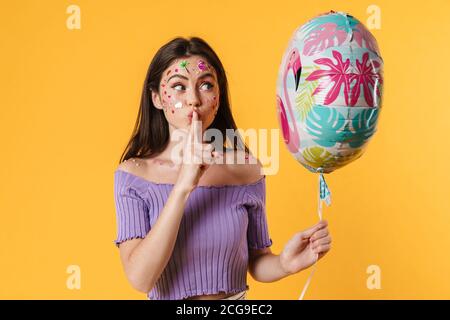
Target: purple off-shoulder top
<point x="220" y="224"/>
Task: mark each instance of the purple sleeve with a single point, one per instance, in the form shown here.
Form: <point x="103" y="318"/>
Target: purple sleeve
<point x="132" y="214"/>
<point x="257" y="232"/>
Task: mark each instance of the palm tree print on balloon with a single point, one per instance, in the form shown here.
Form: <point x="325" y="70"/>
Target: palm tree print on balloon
<point x="368" y="79"/>
<point x="365" y="39"/>
<point x="364" y="126"/>
<point x="323" y="123"/>
<point x="324" y="36"/>
<point x="338" y="74"/>
<point x="304" y="101"/>
<point x="328" y="126"/>
<point x="318" y="157"/>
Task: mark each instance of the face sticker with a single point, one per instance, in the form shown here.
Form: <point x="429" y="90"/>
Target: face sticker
<point x="201" y="65"/>
<point x="178" y="105"/>
<point x="184" y="64"/>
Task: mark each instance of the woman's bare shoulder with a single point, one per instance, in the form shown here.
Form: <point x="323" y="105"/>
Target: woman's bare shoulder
<point x="152" y="169"/>
<point x="136" y="166"/>
<point x="130" y="165"/>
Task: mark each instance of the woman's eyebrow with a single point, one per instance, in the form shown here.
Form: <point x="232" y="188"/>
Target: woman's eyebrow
<point x="177" y="75"/>
<point x="208" y="74"/>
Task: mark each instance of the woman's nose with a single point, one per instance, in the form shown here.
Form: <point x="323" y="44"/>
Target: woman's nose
<point x="193" y="100"/>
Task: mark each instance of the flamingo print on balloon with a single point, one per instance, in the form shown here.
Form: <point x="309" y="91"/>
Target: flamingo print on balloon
<point x="290" y="135"/>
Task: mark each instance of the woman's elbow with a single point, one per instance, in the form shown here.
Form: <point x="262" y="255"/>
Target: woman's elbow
<point x="139" y="284"/>
<point x="137" y="277"/>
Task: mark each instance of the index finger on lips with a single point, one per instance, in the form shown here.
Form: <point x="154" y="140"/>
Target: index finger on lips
<point x="196" y="128"/>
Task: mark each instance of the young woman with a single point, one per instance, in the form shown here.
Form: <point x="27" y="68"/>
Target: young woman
<point x="192" y="229"/>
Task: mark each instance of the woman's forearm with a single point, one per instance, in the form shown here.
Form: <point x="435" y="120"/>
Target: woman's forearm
<point x="149" y="258"/>
<point x="267" y="268"/>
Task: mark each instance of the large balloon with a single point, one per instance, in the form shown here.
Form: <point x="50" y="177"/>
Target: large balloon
<point x="329" y="91"/>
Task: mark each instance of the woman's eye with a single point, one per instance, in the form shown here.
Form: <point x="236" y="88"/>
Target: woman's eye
<point x="178" y="87"/>
<point x="206" y="86"/>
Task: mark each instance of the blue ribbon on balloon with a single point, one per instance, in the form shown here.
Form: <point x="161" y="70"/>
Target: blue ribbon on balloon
<point x="325" y="194"/>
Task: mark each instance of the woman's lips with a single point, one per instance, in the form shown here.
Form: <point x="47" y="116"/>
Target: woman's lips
<point x="190" y="116"/>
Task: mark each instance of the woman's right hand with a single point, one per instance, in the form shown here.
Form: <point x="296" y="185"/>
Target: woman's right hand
<point x="197" y="156"/>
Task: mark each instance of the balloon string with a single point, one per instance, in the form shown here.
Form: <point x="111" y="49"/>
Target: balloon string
<point x="324" y="194"/>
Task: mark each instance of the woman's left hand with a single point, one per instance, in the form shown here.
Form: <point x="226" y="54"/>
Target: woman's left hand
<point x="305" y="248"/>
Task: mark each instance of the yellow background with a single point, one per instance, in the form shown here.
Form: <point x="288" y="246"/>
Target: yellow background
<point x="69" y="99"/>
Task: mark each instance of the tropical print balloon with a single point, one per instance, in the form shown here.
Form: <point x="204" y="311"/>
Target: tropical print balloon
<point x="329" y="91"/>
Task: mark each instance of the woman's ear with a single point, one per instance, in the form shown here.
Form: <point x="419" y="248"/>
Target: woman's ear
<point x="156" y="100"/>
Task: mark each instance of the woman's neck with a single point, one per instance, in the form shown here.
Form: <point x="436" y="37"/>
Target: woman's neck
<point x="175" y="144"/>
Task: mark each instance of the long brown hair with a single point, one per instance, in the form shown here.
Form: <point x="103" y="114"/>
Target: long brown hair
<point x="151" y="131"/>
